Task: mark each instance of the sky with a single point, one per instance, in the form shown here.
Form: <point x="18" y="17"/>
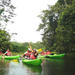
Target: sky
<point x="26" y="21"/>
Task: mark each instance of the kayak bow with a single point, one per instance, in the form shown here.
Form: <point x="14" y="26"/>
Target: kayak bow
<point x="52" y="56"/>
<point x="35" y="62"/>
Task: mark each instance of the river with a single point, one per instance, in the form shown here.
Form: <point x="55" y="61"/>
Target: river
<point x="65" y="66"/>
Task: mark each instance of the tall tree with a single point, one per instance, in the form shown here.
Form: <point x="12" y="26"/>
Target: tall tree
<point x="53" y="25"/>
<point x="4" y="40"/>
<point x="48" y="25"/>
<point x="6" y="12"/>
<point x="66" y="29"/>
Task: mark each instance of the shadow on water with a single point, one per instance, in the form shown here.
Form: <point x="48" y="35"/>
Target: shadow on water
<point x="63" y="66"/>
<point x="52" y="66"/>
<point x="69" y="65"/>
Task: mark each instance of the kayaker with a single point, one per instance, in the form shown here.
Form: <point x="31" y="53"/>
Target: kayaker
<point x="27" y="54"/>
<point x="43" y="53"/>
<point x="48" y="52"/>
<point x="1" y="52"/>
<point x="8" y="53"/>
<point x="32" y="56"/>
<point x="35" y="53"/>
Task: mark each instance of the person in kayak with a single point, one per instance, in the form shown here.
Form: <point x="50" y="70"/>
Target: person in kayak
<point x="43" y="53"/>
<point x="34" y="54"/>
<point x="27" y="54"/>
<point x="8" y="53"/>
<point x="48" y="52"/>
<point x="30" y="54"/>
<point x="1" y="52"/>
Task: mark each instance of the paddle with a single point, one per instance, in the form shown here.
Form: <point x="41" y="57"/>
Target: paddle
<point x="30" y="47"/>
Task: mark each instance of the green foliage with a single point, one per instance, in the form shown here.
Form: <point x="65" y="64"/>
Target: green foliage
<point x="4" y="40"/>
<point x="37" y="45"/>
<point x="1" y="11"/>
<point x="48" y="25"/>
<point x="6" y="12"/>
<point x="67" y="31"/>
<point x="22" y="47"/>
<point x="18" y="47"/>
<point x="58" y="26"/>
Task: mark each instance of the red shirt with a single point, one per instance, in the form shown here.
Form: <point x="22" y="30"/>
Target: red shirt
<point x="0" y="52"/>
<point x="28" y="53"/>
<point x="8" y="53"/>
<point x="32" y="56"/>
<point x="43" y="53"/>
<point x="48" y="52"/>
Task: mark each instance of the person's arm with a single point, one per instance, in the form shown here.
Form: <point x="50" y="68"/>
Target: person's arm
<point x="5" y="52"/>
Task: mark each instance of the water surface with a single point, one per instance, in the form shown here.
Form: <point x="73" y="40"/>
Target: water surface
<point x="65" y="66"/>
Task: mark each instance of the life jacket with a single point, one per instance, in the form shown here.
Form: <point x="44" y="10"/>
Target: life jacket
<point x="32" y="56"/>
<point x="48" y="52"/>
<point x="28" y="53"/>
<point x="0" y="52"/>
<point x="8" y="53"/>
<point x="43" y="53"/>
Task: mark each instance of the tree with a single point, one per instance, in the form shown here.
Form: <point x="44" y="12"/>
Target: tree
<point x="18" y="47"/>
<point x="4" y="40"/>
<point x="56" y="21"/>
<point x="66" y="29"/>
<point x="37" y="45"/>
<point x="48" y="26"/>
<point x="6" y="12"/>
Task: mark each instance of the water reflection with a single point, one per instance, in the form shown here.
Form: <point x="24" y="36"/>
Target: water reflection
<point x="52" y="66"/>
<point x="69" y="65"/>
<point x="49" y="66"/>
<point x="34" y="68"/>
<point x="15" y="67"/>
<point x="58" y="66"/>
<point x="3" y="65"/>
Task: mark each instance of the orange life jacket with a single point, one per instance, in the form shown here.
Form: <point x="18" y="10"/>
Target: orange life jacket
<point x="32" y="56"/>
<point x="43" y="53"/>
<point x="0" y="52"/>
<point x="48" y="52"/>
<point x="8" y="53"/>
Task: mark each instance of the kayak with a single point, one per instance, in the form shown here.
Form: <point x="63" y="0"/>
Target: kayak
<point x="52" y="56"/>
<point x="34" y="62"/>
<point x="10" y="57"/>
<point x="56" y="56"/>
<point x="0" y="57"/>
